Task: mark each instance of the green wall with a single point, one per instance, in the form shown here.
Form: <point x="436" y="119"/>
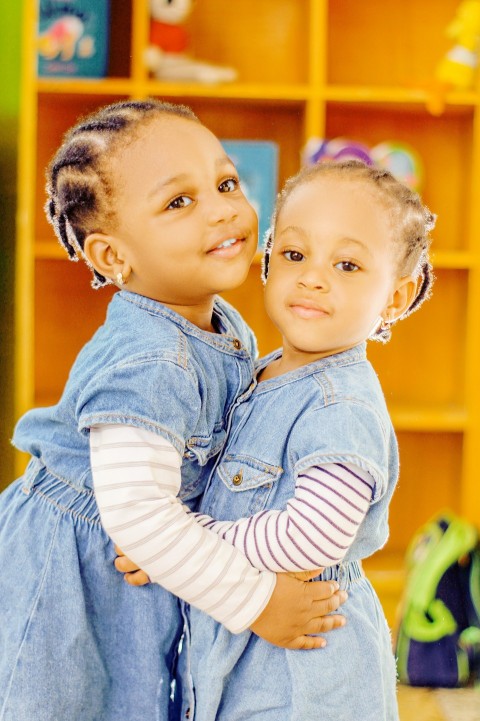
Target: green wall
<point x="10" y="33"/>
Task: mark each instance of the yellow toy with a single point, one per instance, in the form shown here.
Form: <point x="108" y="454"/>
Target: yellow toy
<point x="458" y="68"/>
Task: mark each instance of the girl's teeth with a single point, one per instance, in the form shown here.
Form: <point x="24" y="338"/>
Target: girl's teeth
<point x="228" y="243"/>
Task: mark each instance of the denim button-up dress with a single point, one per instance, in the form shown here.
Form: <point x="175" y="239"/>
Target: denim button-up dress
<point x="330" y="411"/>
<point x="76" y="642"/>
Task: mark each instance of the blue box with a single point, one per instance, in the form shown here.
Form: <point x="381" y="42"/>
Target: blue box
<point x="257" y="165"/>
<point x="73" y="38"/>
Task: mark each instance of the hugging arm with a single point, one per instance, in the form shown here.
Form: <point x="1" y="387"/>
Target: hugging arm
<point x="136" y="479"/>
<point x="316" y="529"/>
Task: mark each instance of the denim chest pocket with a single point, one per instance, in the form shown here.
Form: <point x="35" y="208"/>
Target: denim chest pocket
<point x="198" y="451"/>
<point x="249" y="483"/>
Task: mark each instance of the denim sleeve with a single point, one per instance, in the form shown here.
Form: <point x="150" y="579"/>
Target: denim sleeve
<point x="343" y="432"/>
<point x="147" y="392"/>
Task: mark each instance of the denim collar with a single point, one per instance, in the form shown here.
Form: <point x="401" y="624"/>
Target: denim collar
<point x="348" y="357"/>
<point x="223" y="341"/>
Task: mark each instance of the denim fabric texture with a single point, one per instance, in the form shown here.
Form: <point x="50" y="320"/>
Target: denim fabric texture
<point x="76" y="642"/>
<point x="332" y="410"/>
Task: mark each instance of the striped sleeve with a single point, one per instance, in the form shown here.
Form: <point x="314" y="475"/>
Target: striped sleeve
<point x="316" y="529"/>
<point x="136" y="476"/>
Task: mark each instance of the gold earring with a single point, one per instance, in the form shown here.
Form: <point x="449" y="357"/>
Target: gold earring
<point x="120" y="279"/>
<point x="385" y="324"/>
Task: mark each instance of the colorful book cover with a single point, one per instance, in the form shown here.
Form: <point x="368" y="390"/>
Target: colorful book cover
<point x="257" y="165"/>
<point x="73" y="38"/>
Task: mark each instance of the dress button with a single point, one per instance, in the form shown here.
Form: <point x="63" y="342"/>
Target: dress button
<point x="237" y="479"/>
<point x="236" y="344"/>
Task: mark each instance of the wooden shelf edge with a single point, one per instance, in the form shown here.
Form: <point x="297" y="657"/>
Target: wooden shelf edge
<point x="450" y="420"/>
<point x="125" y="86"/>
<point x="394" y="95"/>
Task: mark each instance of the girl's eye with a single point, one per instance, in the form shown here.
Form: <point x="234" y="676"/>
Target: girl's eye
<point x="347" y="265"/>
<point x="294" y="255"/>
<point x="180" y="201"/>
<point x="229" y="185"/>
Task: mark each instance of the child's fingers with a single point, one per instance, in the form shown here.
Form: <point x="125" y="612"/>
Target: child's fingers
<point x="124" y="564"/>
<point x="137" y="578"/>
<point x="307" y="643"/>
<point x="325" y="624"/>
<point x="322" y="606"/>
<point x="306" y="575"/>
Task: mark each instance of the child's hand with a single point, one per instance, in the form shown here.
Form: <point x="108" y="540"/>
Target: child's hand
<point x="297" y="609"/>
<point x="132" y="573"/>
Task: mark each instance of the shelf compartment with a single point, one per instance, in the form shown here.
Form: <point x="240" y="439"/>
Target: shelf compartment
<point x="404" y="41"/>
<point x="430" y="472"/>
<point x="262" y="41"/>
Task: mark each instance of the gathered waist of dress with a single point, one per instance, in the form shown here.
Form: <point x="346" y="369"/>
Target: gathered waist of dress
<point x="60" y="492"/>
<point x="344" y="573"/>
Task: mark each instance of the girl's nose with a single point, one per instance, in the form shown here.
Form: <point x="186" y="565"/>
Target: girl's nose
<point x="221" y="209"/>
<point x="313" y="278"/>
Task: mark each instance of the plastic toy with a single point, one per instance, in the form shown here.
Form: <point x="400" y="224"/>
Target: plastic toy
<point x="166" y="56"/>
<point x="457" y="70"/>
<point x="318" y="150"/>
<point x="399" y="158"/>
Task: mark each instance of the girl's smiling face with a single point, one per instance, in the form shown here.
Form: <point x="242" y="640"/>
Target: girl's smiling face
<point x="183" y="227"/>
<point x="333" y="270"/>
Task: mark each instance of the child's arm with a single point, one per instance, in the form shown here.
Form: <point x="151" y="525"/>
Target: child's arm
<point x="316" y="529"/>
<point x="136" y="478"/>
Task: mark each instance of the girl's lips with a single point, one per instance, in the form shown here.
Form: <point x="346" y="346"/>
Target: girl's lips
<point x="308" y="310"/>
<point x="227" y="251"/>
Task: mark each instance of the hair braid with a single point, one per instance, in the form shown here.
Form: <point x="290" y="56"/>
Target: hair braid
<point x="79" y="187"/>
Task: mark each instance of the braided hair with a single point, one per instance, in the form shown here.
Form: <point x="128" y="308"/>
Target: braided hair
<point x="411" y="222"/>
<point x="79" y="186"/>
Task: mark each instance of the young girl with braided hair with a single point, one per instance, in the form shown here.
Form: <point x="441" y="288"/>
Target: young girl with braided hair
<point x="311" y="462"/>
<point x="146" y="195"/>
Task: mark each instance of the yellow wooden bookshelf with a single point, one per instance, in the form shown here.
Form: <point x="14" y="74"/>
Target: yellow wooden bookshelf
<point x="306" y="68"/>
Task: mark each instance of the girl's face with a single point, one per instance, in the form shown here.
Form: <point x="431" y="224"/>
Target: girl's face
<point x="183" y="226"/>
<point x="333" y="269"/>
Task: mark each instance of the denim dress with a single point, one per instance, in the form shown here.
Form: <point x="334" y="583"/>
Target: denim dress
<point x="76" y="642"/>
<point x="332" y="410"/>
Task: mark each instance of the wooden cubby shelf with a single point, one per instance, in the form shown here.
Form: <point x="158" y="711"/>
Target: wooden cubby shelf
<point x="306" y="69"/>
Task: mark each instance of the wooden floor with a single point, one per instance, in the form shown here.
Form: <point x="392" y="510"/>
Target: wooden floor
<point x="421" y="704"/>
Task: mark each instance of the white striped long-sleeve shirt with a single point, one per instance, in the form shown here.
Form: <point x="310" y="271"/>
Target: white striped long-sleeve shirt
<point x="136" y="478"/>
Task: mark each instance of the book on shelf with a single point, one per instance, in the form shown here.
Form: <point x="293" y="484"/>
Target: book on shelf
<point x="257" y="165"/>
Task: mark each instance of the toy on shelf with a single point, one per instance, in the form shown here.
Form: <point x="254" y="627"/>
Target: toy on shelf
<point x="166" y="55"/>
<point x="458" y="69"/>
<point x="400" y="159"/>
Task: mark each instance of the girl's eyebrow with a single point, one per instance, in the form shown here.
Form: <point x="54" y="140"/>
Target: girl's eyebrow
<point x="362" y="245"/>
<point x="302" y="232"/>
<point x="164" y="183"/>
<point x="293" y="229"/>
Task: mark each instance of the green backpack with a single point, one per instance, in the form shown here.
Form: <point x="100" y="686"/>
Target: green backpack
<point x="438" y="636"/>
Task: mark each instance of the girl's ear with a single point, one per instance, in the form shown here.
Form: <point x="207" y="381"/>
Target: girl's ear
<point x="102" y="253"/>
<point x="402" y="298"/>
